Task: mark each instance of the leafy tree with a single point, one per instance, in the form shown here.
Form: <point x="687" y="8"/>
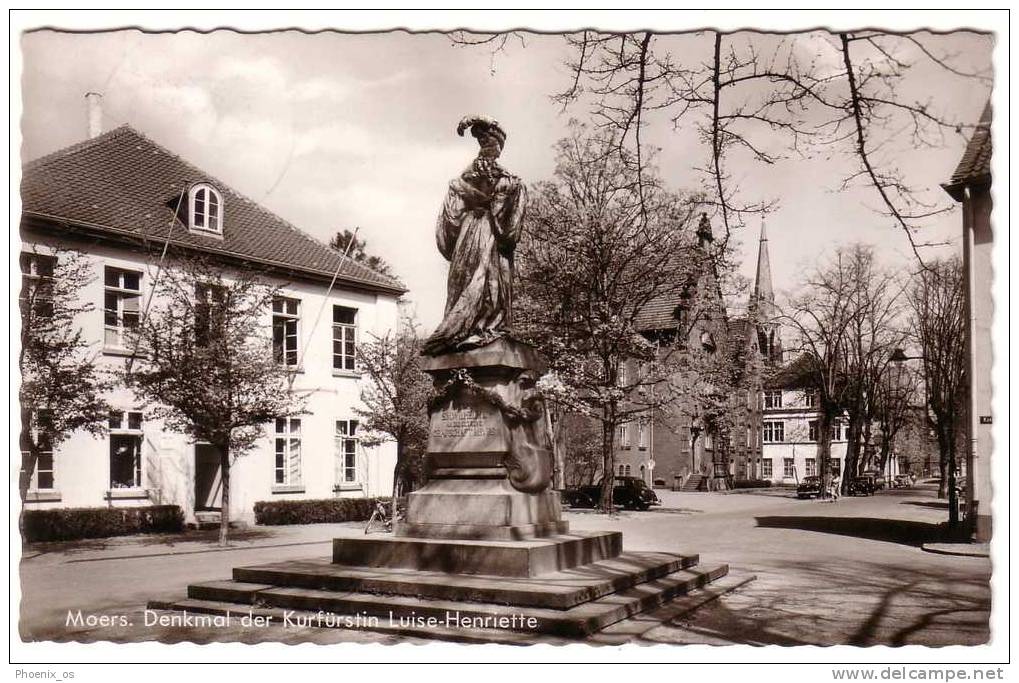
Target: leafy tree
<point x="342" y="241"/>
<point x="62" y="389"/>
<point x="600" y="245"/>
<point x="396" y="400"/>
<point x="205" y="362"/>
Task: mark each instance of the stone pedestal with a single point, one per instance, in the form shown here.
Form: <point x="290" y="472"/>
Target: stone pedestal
<point x="483" y="433"/>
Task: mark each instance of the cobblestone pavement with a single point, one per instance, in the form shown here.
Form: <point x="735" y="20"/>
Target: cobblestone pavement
<point x="846" y="573"/>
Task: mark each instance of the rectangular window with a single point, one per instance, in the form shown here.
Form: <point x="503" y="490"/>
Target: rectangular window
<point x="288" y="451"/>
<point x="346" y="452"/>
<point x="126" y="438"/>
<point x="788" y="468"/>
<point x="774" y="432"/>
<point x="624" y="375"/>
<point x="750" y="437"/>
<point x="121" y="306"/>
<point x="813" y="431"/>
<point x="766" y="471"/>
<point x="624" y="436"/>
<point x="642" y="435"/>
<point x="811" y="466"/>
<point x="838" y="431"/>
<point x="43" y="472"/>
<point x="810" y="399"/>
<point x="344" y="337"/>
<point x="286" y="318"/>
<point x="210" y="301"/>
<point x="836" y="465"/>
<point x="36" y="296"/>
<point x="773" y="399"/>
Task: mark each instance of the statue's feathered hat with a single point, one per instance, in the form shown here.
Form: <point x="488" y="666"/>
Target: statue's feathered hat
<point x="480" y="125"/>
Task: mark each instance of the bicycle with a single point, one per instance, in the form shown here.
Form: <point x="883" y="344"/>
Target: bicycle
<point x="382" y="516"/>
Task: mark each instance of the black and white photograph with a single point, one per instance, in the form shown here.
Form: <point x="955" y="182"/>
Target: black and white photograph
<point x="471" y="333"/>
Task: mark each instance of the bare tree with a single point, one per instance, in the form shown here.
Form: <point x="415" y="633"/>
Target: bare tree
<point x="396" y="400"/>
<point x="821" y="316"/>
<point x="757" y="98"/>
<point x="872" y="335"/>
<point x="599" y="247"/>
<point x="937" y="299"/>
<point x="62" y="389"/>
<point x="206" y="365"/>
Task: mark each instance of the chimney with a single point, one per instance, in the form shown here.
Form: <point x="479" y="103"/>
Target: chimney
<point x="94" y="101"/>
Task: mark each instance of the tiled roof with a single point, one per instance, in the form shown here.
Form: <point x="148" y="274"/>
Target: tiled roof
<point x="123" y="183"/>
<point x="798" y="373"/>
<point x="975" y="165"/>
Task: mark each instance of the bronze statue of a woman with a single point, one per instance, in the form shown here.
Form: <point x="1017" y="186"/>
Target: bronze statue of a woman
<point x="477" y="232"/>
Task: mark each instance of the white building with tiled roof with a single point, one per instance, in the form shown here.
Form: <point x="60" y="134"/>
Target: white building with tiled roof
<point x="119" y="198"/>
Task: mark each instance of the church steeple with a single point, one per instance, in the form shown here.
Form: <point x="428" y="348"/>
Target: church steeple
<point x="764" y="295"/>
<point x="762" y="305"/>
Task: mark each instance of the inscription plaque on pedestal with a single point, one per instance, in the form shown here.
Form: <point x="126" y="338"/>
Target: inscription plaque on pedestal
<point x="467" y="427"/>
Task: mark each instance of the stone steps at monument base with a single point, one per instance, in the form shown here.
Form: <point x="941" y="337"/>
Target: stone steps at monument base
<point x="576" y="622"/>
<point x="525" y="558"/>
<point x="560" y="590"/>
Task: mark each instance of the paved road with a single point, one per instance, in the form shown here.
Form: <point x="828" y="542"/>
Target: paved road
<point x="845" y="573"/>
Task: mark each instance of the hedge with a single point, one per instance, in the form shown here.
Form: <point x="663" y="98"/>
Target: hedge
<point x="318" y="511"/>
<point x="751" y="484"/>
<point x="71" y="524"/>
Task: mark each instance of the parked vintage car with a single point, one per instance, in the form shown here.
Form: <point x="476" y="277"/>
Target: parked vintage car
<point x="862" y="486"/>
<point x="877" y="479"/>
<point x="810" y="487"/>
<point x="630" y="493"/>
<point x="902" y="481"/>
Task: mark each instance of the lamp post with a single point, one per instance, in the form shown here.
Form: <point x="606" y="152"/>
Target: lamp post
<point x="898" y="359"/>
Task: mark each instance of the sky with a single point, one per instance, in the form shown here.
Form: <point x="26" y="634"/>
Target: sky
<point x="335" y="131"/>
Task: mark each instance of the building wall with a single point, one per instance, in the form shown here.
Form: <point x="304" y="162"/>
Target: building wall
<point x="795" y="415"/>
<point x="82" y="463"/>
<point x="982" y="300"/>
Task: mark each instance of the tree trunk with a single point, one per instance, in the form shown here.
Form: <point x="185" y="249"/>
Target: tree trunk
<point x="852" y="463"/>
<point x="608" y="458"/>
<point x="943" y="465"/>
<point x="953" y="491"/>
<point x="400" y="471"/>
<point x="824" y="450"/>
<point x="224" y="511"/>
<point x="28" y="465"/>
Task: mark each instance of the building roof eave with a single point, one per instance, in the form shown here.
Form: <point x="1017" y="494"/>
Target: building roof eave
<point x="59" y="223"/>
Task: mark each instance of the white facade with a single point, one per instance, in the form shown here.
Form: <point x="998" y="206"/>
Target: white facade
<point x="86" y="472"/>
<point x="789" y="449"/>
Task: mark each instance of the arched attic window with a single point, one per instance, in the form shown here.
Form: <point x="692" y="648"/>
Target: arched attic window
<point x="205" y="209"/>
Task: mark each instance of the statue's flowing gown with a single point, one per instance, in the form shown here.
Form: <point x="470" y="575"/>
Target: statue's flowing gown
<point x="476" y="232"/>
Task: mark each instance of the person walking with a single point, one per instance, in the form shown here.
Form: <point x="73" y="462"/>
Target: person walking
<point x="834" y="487"/>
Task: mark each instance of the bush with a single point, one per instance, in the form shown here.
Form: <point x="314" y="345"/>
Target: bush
<point x="71" y="524"/>
<point x="320" y="511"/>
<point x="751" y="484"/>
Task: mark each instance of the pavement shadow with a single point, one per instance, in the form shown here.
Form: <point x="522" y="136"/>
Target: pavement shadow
<point x="906" y="532"/>
<point x="932" y="504"/>
<point x="856" y="603"/>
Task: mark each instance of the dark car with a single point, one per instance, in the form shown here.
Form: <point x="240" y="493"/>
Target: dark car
<point x="861" y="486"/>
<point x="809" y="487"/>
<point x="629" y="492"/>
<point x="902" y="481"/>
